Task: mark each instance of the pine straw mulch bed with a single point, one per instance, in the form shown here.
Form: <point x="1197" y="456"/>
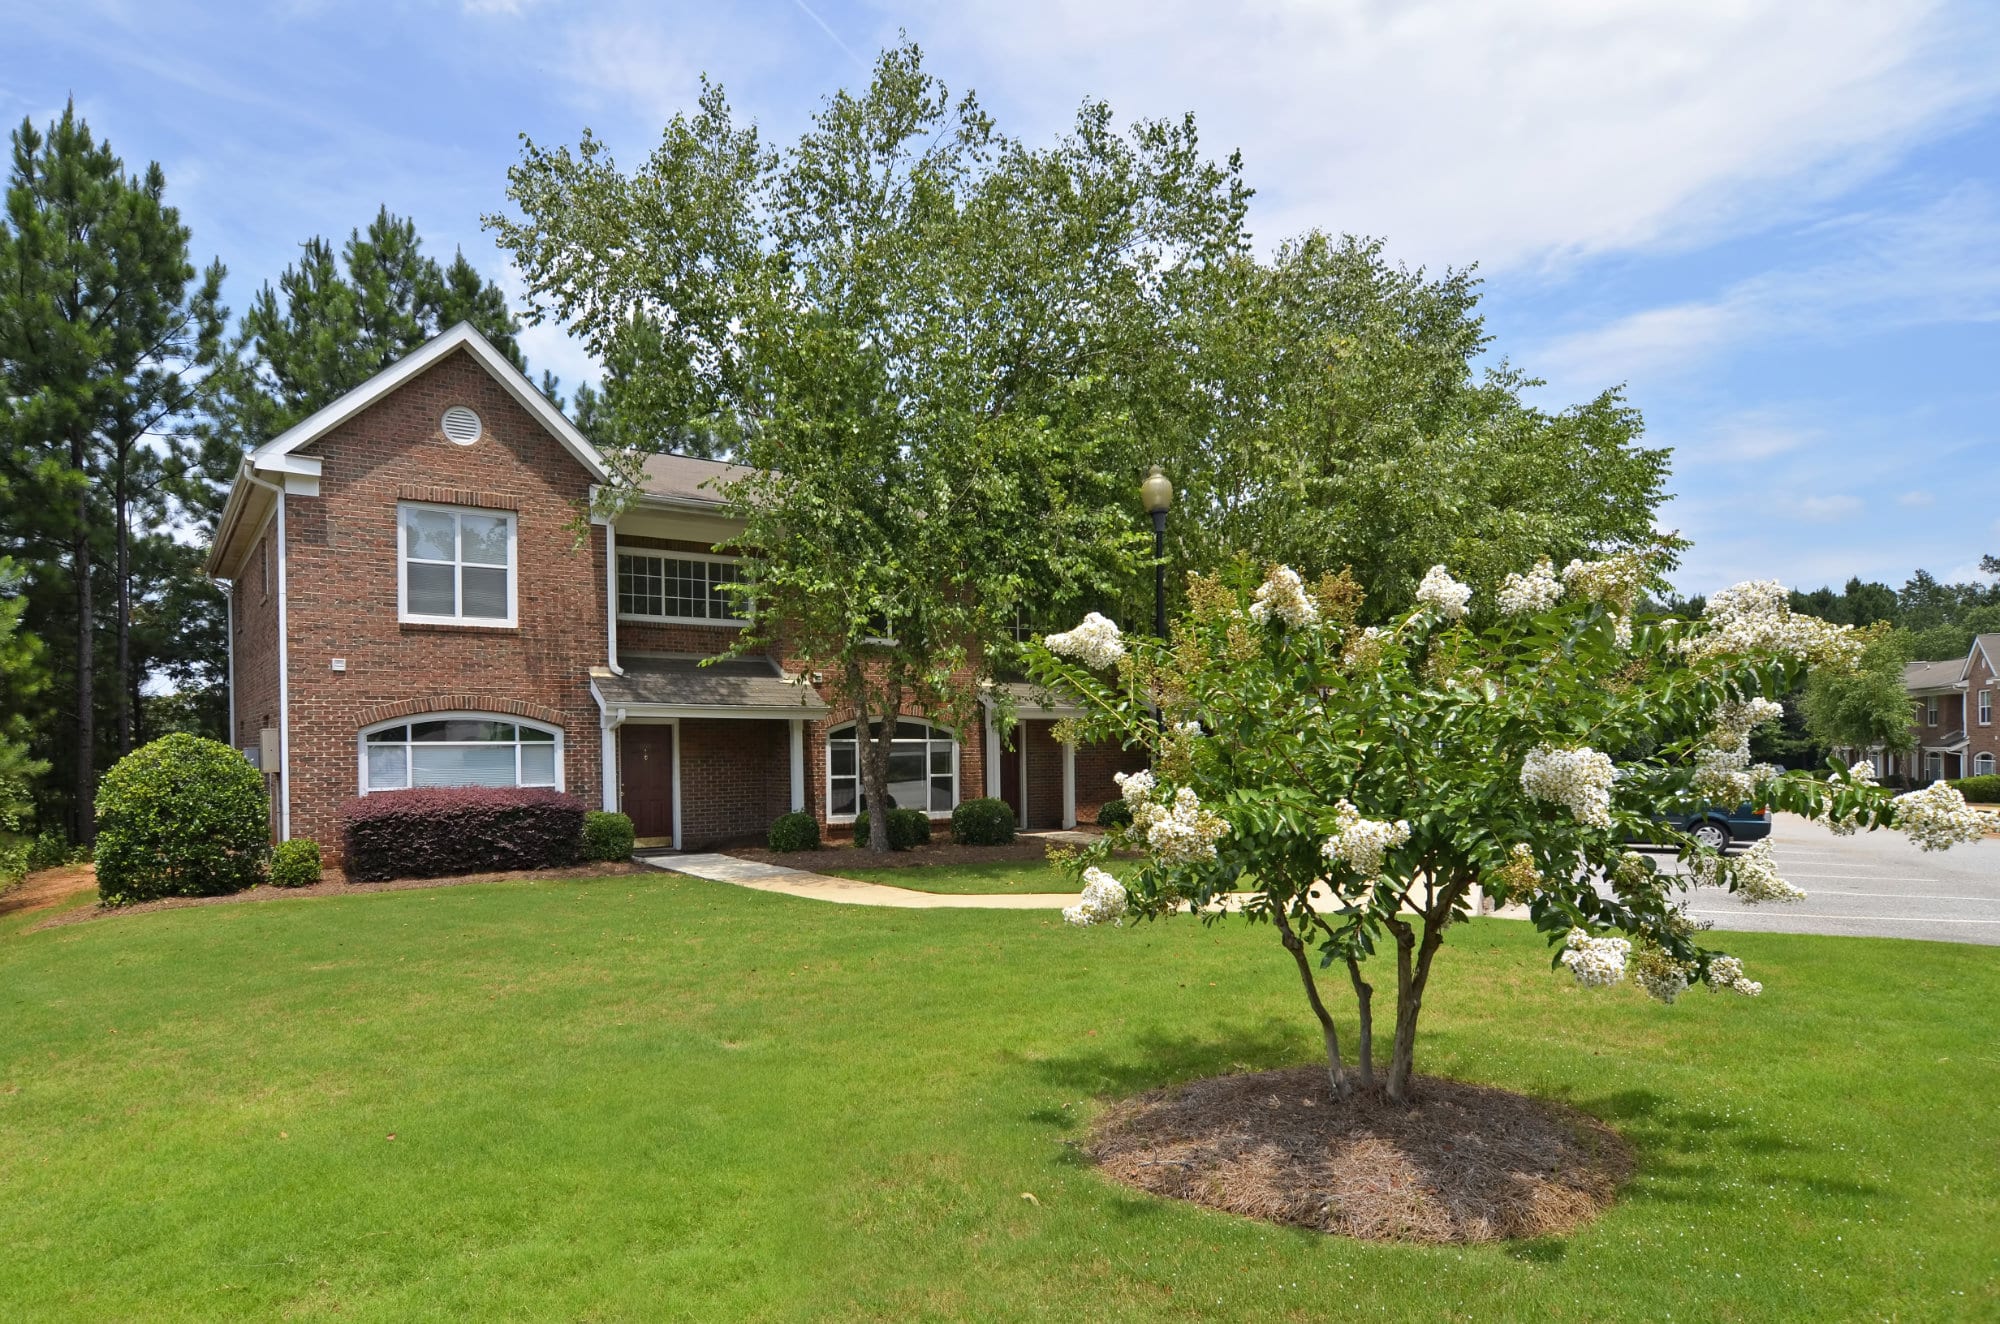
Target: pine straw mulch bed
<point x="334" y="883"/>
<point x="1461" y="1163"/>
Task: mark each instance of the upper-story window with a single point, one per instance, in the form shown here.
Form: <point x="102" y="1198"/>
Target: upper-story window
<point x="1931" y="711"/>
<point x="461" y="749"/>
<point x="457" y="565"/>
<point x="1986" y="707"/>
<point x="658" y="586"/>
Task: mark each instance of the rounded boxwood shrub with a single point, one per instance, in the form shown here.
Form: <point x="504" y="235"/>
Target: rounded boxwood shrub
<point x="607" y="836"/>
<point x="295" y="863"/>
<point x="1114" y="814"/>
<point x="984" y="822"/>
<point x="182" y="816"/>
<point x="1981" y="790"/>
<point x="794" y="831"/>
<point x="907" y="828"/>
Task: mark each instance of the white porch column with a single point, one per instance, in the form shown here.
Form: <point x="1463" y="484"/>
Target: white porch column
<point x="798" y="764"/>
<point x="676" y="727"/>
<point x="607" y="740"/>
<point x="992" y="751"/>
<point x="1069" y="785"/>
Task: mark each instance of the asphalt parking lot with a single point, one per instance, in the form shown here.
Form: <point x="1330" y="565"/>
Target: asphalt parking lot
<point x="1872" y="884"/>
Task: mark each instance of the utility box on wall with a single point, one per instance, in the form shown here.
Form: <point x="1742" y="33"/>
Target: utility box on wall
<point x="267" y="750"/>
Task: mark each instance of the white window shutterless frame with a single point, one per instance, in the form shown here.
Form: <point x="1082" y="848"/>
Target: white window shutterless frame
<point x="455" y="566"/>
<point x="460" y="749"/>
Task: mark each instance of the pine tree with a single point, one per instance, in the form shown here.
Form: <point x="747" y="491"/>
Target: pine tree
<point x="105" y="341"/>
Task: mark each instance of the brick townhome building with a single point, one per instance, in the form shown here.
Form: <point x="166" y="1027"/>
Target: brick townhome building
<point x="1955" y="701"/>
<point x="410" y="605"/>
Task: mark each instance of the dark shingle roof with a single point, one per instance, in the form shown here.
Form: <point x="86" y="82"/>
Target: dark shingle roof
<point x="682" y="682"/>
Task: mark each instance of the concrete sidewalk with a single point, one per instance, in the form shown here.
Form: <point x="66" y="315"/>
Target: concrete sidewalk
<point x="848" y="891"/>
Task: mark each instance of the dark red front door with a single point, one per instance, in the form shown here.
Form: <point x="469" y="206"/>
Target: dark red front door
<point x="1010" y="774"/>
<point x="646" y="778"/>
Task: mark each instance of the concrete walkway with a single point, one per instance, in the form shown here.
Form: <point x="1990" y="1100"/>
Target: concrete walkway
<point x="848" y="891"/>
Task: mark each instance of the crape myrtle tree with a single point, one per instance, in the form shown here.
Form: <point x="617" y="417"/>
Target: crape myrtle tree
<point x="927" y="342"/>
<point x="1350" y="785"/>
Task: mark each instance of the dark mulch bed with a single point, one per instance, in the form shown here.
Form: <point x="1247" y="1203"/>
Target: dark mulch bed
<point x="333" y="883"/>
<point x="1460" y="1163"/>
<point x="843" y="855"/>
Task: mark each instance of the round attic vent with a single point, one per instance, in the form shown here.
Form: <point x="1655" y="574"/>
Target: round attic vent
<point x="462" y="425"/>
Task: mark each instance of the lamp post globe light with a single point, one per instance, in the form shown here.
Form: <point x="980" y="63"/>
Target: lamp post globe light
<point x="1156" y="494"/>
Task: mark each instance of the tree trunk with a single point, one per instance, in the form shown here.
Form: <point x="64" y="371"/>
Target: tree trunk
<point x="126" y="684"/>
<point x="872" y="746"/>
<point x="1412" y="975"/>
<point x="1331" y="1037"/>
<point x="1364" y="994"/>
<point x="86" y="671"/>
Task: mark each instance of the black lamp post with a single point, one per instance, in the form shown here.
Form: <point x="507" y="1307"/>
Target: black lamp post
<point x="1156" y="494"/>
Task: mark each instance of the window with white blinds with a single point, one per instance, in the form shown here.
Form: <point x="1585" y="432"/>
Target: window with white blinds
<point x="460" y="750"/>
<point x="457" y="565"/>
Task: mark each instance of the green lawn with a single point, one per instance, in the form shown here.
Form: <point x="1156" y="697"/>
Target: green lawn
<point x="987" y="876"/>
<point x="652" y="1098"/>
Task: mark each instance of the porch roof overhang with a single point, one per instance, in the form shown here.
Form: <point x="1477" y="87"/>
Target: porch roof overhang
<point x="1950" y="744"/>
<point x="1032" y="700"/>
<point x="738" y="687"/>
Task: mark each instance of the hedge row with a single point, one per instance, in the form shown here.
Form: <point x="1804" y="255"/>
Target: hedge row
<point x="435" y="833"/>
<point x="1983" y="790"/>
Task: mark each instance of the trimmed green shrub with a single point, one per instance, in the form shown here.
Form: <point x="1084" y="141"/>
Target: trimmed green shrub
<point x="182" y="816"/>
<point x="435" y="832"/>
<point x="606" y="836"/>
<point x="1982" y="790"/>
<point x="984" y="822"/>
<point x="1114" y="814"/>
<point x="295" y="863"/>
<point x="794" y="831"/>
<point x="907" y="828"/>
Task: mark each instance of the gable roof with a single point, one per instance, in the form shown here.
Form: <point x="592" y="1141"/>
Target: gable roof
<point x="1919" y="676"/>
<point x="463" y="336"/>
<point x="1987" y="646"/>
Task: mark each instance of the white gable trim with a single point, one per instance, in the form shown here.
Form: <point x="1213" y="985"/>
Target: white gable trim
<point x="1979" y="647"/>
<point x="277" y="453"/>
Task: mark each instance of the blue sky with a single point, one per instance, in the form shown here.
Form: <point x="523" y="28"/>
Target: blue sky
<point x="1778" y="223"/>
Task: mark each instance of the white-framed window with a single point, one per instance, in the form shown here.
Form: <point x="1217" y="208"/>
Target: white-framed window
<point x="678" y="586"/>
<point x="460" y="749"/>
<point x="1982" y="766"/>
<point x="456" y="565"/>
<point x="1986" y="707"/>
<point x="1931" y="711"/>
<point x="923" y="769"/>
<point x="1933" y="766"/>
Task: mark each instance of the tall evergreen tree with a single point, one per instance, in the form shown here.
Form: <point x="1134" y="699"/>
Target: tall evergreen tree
<point x="106" y="338"/>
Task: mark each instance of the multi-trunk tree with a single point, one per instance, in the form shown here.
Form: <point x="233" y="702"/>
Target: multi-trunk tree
<point x="1351" y="784"/>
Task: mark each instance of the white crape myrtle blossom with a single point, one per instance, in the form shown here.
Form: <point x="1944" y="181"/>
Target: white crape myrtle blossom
<point x="1662" y="977"/>
<point x="1538" y="590"/>
<point x="1283" y="595"/>
<point x="1444" y="594"/>
<point x="1578" y="779"/>
<point x="1616" y="581"/>
<point x="1188" y="728"/>
<point x="1134" y="787"/>
<point x="1360" y="843"/>
<point x="1621" y="631"/>
<point x="1938" y="818"/>
<point x="1364" y="648"/>
<point x="1723" y="771"/>
<point x="1849" y="823"/>
<point x="1095" y="643"/>
<point x="1104" y="900"/>
<point x="1755" y="872"/>
<point x="1596" y="962"/>
<point x="1726" y="972"/>
<point x="1180" y="833"/>
<point x="1756" y="617"/>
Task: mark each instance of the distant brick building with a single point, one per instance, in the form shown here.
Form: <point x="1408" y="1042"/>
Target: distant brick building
<point x="1954" y="702"/>
<point x="410" y="605"/>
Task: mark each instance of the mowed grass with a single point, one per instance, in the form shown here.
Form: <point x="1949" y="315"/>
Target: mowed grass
<point x="653" y="1098"/>
<point x="987" y="876"/>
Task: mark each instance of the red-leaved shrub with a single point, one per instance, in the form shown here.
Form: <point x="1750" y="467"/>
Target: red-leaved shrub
<point x="434" y="833"/>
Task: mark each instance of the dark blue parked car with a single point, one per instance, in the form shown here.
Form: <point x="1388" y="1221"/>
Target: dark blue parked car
<point x="1716" y="828"/>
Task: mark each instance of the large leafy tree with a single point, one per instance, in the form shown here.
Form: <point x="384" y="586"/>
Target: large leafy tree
<point x="107" y="339"/>
<point x="1865" y="706"/>
<point x="925" y="338"/>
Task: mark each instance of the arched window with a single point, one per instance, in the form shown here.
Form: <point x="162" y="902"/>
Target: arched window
<point x="460" y="749"/>
<point x="1983" y="765"/>
<point x="923" y="769"/>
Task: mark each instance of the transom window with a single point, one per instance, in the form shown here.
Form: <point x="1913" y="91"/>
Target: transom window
<point x="923" y="769"/>
<point x="677" y="588"/>
<point x="458" y="565"/>
<point x="459" y="751"/>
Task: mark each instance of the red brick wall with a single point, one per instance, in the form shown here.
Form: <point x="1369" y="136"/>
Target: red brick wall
<point x="1983" y="739"/>
<point x="735" y="777"/>
<point x="343" y="576"/>
<point x="254" y="643"/>
<point x="1094" y="766"/>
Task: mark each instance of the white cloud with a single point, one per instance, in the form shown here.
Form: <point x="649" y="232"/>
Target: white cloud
<point x="1824" y="508"/>
<point x="1915" y="500"/>
<point x="1507" y="134"/>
